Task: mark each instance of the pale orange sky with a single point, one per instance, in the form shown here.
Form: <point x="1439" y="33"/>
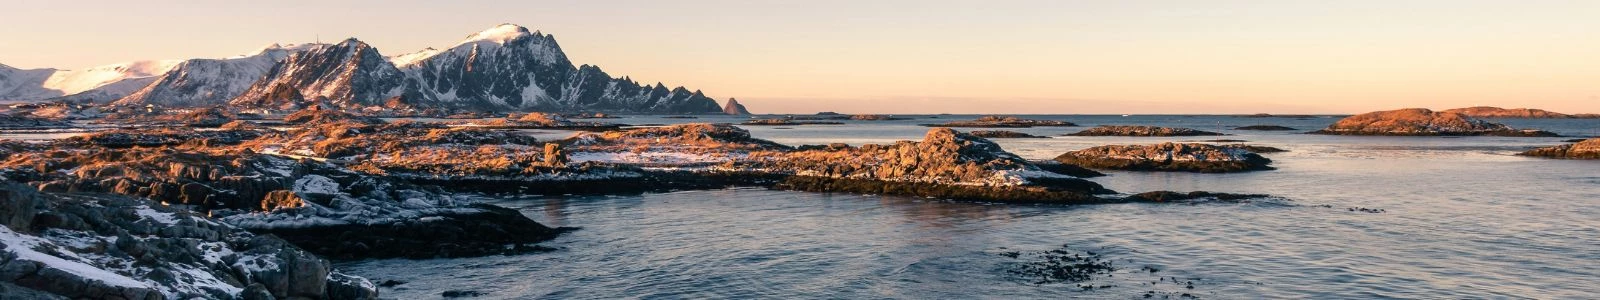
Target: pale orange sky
<point x="930" y="56"/>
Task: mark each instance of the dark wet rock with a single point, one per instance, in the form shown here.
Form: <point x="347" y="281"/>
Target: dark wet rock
<point x="162" y="137"/>
<point x="1063" y="265"/>
<point x="1003" y="134"/>
<point x="1178" y="157"/>
<point x="734" y="108"/>
<point x="1169" y="196"/>
<point x="1133" y="130"/>
<point x="461" y="294"/>
<point x="1513" y="113"/>
<point x="1066" y="169"/>
<point x="1367" y="210"/>
<point x="390" y="283"/>
<point x="479" y="231"/>
<point x="1423" y="122"/>
<point x="1003" y="122"/>
<point x="1265" y="128"/>
<point x="1585" y="149"/>
<point x="1225" y="141"/>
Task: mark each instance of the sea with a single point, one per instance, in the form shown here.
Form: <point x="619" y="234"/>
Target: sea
<point x="1353" y="218"/>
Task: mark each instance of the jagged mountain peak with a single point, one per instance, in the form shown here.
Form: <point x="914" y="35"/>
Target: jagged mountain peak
<point x="500" y="34"/>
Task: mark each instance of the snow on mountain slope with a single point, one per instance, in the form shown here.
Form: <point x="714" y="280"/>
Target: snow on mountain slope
<point x="19" y="84"/>
<point x="77" y="81"/>
<point x="206" y="82"/>
<point x="348" y="74"/>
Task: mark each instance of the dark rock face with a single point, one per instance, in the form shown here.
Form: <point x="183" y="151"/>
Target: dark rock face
<point x="112" y="247"/>
<point x="1112" y="130"/>
<point x="1002" y="134"/>
<point x="490" y="230"/>
<point x="734" y="108"/>
<point x="1586" y="149"/>
<point x="1422" y="122"/>
<point x="1168" y="196"/>
<point x="1002" y="122"/>
<point x="1266" y="128"/>
<point x="1178" y="157"/>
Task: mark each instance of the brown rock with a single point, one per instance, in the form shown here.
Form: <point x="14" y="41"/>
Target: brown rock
<point x="1586" y="149"/>
<point x="1114" y="130"/>
<point x="1421" y="122"/>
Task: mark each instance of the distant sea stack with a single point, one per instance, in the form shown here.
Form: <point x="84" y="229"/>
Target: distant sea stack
<point x="734" y="108"/>
<point x="1516" y="113"/>
<point x="1586" y="149"/>
<point x="1423" y="122"/>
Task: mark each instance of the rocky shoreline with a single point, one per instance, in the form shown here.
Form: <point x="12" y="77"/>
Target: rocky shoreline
<point x="1585" y="149"/>
<point x="347" y="187"/>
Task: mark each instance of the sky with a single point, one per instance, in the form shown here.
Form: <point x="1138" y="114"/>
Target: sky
<point x="928" y="56"/>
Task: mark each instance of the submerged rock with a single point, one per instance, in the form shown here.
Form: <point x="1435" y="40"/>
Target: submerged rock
<point x="1586" y="149"/>
<point x="1177" y="157"/>
<point x="1133" y="130"/>
<point x="1003" y="122"/>
<point x="1423" y="122"/>
<point x="1003" y="134"/>
<point x="876" y="118"/>
<point x="1265" y="128"/>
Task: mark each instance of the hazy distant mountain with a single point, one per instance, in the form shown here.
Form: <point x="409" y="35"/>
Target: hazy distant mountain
<point x="207" y="82"/>
<point x="97" y="84"/>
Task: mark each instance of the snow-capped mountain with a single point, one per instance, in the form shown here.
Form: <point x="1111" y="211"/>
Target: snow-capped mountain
<point x="97" y="84"/>
<point x="504" y="68"/>
<point x="510" y="68"/>
<point x="205" y="82"/>
<point x="348" y="74"/>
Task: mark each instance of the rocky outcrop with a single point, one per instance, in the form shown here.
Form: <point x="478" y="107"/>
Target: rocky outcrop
<point x="1586" y="149"/>
<point x="734" y="108"/>
<point x="1177" y="157"/>
<point x="1265" y="128"/>
<point x="202" y="117"/>
<point x="1003" y="122"/>
<point x="113" y="247"/>
<point x="1003" y="134"/>
<point x="1512" y="113"/>
<point x="318" y="115"/>
<point x="1114" y="130"/>
<point x="1422" y="122"/>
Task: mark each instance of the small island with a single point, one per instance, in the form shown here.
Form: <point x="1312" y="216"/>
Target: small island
<point x="1004" y="134"/>
<point x="1131" y="130"/>
<point x="1169" y="157"/>
<point x="1423" y="122"/>
<point x="1003" y="122"/>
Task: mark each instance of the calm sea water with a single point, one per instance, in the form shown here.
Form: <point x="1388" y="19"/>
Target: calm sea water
<point x="1464" y="219"/>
